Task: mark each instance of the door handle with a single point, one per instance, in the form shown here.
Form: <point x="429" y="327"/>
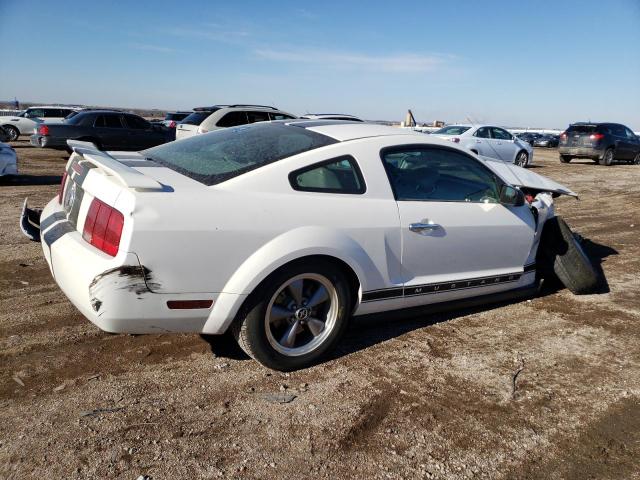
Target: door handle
<point x="478" y="141"/>
<point x="423" y="227"/>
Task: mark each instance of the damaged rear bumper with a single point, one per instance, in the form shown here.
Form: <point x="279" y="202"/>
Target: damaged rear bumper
<point x="30" y="222"/>
<point x="114" y="293"/>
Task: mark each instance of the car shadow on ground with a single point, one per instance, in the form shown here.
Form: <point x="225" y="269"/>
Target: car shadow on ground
<point x="368" y="330"/>
<point x="29" y="180"/>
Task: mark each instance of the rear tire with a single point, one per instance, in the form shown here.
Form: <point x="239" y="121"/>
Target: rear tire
<point x="636" y="160"/>
<point x="12" y="132"/>
<point x="562" y="251"/>
<point x="565" y="158"/>
<point x="607" y="157"/>
<point x="286" y="333"/>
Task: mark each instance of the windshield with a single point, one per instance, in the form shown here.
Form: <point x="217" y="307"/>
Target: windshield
<point x="452" y="130"/>
<point x="218" y="156"/>
<point x="196" y="118"/>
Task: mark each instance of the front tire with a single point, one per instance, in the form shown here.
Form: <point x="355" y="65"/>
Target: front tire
<point x="565" y="158"/>
<point x="12" y="132"/>
<point x="522" y="159"/>
<point x="294" y="316"/>
<point x="563" y="252"/>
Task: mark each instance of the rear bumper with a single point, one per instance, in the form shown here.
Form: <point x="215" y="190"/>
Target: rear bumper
<point x="590" y="152"/>
<point x="45" y="141"/>
<point x="114" y="292"/>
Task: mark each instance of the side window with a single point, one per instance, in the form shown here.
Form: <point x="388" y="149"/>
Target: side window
<point x="137" y="123"/>
<point x="482" y="133"/>
<point x="338" y="175"/>
<point x="629" y="133"/>
<point x="618" y="130"/>
<point x="233" y="119"/>
<point x="438" y="174"/>
<point x="279" y="116"/>
<point x="34" y="113"/>
<point x="500" y="134"/>
<point x="254" y="117"/>
<point x="108" y="121"/>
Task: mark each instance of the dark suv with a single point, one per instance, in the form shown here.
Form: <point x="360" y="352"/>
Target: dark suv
<point x="602" y="142"/>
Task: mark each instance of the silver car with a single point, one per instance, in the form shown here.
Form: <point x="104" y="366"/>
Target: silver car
<point x="489" y="141"/>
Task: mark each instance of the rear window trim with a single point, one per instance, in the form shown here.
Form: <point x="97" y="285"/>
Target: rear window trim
<point x="352" y="161"/>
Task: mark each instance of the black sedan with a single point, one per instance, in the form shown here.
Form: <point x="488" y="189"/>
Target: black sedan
<point x="107" y="129"/>
<point x="549" y="141"/>
<point x="529" y="137"/>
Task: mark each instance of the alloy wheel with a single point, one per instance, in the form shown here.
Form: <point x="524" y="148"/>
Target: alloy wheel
<point x="522" y="159"/>
<point x="301" y="314"/>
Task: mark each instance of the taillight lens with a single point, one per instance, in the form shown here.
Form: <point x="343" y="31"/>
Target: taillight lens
<point x="563" y="136"/>
<point x="43" y="130"/>
<point x="103" y="227"/>
<point x="172" y="124"/>
<point x="61" y="190"/>
<point x="596" y="136"/>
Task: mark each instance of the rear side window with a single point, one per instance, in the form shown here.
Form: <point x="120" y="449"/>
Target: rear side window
<point x="438" y="174"/>
<point x="233" y="119"/>
<point x="482" y="133"/>
<point x="196" y="118"/>
<point x="338" y="175"/>
<point x="229" y="152"/>
<point x="254" y="117"/>
<point x="35" y="113"/>
<point x="279" y="116"/>
<point x="108" y="121"/>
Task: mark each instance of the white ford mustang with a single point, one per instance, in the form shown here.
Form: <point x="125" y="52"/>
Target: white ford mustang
<point x="282" y="231"/>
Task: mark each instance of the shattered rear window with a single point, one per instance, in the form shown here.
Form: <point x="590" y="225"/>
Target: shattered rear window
<point x="223" y="154"/>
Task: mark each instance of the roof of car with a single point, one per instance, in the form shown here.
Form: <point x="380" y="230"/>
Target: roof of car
<point x="54" y="106"/>
<point x="237" y="105"/>
<point x="343" y="130"/>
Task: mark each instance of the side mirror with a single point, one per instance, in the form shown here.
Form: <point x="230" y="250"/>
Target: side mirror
<point x="511" y="196"/>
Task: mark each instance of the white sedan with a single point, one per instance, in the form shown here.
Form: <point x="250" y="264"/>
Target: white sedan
<point x="281" y="231"/>
<point x="493" y="142"/>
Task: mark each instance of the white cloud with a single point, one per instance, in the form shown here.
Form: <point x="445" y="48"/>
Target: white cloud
<point x="403" y="62"/>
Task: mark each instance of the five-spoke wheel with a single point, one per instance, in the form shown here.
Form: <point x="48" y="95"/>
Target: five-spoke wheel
<point x="295" y="315"/>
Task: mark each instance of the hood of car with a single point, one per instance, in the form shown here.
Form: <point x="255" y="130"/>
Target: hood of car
<point x="523" y="177"/>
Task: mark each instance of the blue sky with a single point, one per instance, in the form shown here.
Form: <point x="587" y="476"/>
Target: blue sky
<point x="546" y="63"/>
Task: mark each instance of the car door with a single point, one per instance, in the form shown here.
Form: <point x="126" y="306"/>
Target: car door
<point x="634" y="143"/>
<point x="141" y="134"/>
<point x="109" y="130"/>
<point x="480" y="142"/>
<point x="504" y="145"/>
<point x="457" y="239"/>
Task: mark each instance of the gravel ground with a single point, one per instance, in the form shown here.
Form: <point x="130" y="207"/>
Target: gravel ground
<point x="424" y="397"/>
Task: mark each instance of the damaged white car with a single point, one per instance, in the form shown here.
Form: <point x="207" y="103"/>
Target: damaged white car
<point x="282" y="231"/>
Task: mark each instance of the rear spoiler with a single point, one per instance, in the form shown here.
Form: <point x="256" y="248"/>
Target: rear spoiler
<point x="128" y="176"/>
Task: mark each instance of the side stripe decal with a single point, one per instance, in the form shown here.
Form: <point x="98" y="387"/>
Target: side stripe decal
<point x="416" y="290"/>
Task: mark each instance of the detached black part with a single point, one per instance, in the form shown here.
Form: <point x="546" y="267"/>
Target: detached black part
<point x="562" y="253"/>
<point x="30" y="222"/>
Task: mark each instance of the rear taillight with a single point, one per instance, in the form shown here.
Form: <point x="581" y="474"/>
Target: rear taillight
<point x="596" y="136"/>
<point x="103" y="227"/>
<point x="61" y="190"/>
<point x="563" y="136"/>
<point x="43" y="130"/>
<point x="172" y="124"/>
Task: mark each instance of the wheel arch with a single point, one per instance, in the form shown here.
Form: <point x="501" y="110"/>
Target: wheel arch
<point x="321" y="244"/>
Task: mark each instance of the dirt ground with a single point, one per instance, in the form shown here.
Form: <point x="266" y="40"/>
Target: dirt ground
<point x="426" y="397"/>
